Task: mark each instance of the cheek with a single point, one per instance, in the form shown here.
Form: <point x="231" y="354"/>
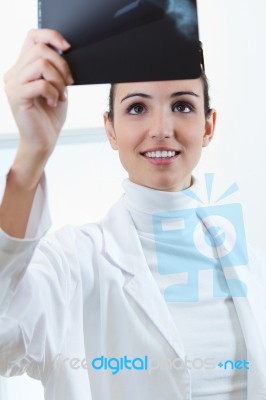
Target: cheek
<point x="192" y="134"/>
<point x="192" y="141"/>
<point x="128" y="138"/>
<point x="126" y="144"/>
<point x="126" y="148"/>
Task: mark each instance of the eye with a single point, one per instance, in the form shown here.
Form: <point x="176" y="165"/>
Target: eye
<point x="136" y="109"/>
<point x="182" y="107"/>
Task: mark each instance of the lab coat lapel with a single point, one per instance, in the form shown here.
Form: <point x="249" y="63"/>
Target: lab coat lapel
<point x="123" y="249"/>
<point x="251" y="307"/>
<point x="251" y="312"/>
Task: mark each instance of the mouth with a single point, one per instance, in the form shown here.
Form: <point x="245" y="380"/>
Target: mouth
<point x="165" y="154"/>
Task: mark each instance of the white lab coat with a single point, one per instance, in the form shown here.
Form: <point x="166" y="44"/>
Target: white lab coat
<point x="89" y="292"/>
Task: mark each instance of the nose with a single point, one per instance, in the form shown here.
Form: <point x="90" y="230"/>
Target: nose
<point x="161" y="125"/>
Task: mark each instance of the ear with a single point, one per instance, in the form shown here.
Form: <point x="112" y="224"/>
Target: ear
<point x="209" y="128"/>
<point x="110" y="132"/>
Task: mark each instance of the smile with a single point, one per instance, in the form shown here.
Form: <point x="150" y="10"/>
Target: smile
<point x="161" y="157"/>
<point x="161" y="154"/>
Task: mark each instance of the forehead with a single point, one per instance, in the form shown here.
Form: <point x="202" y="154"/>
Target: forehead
<point x="160" y="88"/>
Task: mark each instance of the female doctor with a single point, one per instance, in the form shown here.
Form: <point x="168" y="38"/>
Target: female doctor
<point x="103" y="311"/>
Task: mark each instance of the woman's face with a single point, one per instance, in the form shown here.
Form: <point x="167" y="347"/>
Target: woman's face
<point x="159" y="129"/>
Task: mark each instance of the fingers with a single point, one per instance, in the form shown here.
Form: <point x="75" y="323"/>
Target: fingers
<point x="39" y="88"/>
<point x="42" y="69"/>
<point x="47" y="36"/>
<point x="46" y="77"/>
<point x="40" y="63"/>
<point x="37" y="45"/>
<point x="42" y="51"/>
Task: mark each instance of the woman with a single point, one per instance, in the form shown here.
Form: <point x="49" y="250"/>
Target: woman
<point x="96" y="311"/>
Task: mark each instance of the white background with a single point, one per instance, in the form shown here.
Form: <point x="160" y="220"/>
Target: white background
<point x="234" y="37"/>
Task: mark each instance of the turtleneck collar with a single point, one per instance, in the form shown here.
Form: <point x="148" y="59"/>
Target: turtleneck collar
<point x="148" y="201"/>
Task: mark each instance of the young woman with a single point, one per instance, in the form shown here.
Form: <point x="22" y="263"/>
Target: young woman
<point x="105" y="311"/>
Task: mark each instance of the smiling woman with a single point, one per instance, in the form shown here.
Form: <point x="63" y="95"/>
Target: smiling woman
<point x="159" y="129"/>
<point x="163" y="277"/>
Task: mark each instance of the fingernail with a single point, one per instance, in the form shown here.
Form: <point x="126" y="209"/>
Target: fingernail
<point x="65" y="95"/>
<point x="53" y="103"/>
<point x="70" y="80"/>
<point x="66" y="44"/>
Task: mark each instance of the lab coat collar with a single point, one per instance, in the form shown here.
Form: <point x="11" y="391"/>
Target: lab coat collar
<point x="123" y="248"/>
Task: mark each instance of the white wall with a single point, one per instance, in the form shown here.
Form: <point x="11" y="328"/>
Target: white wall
<point x="234" y="36"/>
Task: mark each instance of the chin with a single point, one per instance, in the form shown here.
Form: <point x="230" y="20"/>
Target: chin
<point x="168" y="185"/>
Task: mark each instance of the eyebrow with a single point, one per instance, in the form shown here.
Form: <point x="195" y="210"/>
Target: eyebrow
<point x="176" y="94"/>
<point x="147" y="96"/>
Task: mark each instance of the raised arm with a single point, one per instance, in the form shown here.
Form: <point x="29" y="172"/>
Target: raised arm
<point x="36" y="90"/>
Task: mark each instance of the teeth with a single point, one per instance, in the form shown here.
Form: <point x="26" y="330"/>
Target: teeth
<point x="160" y="154"/>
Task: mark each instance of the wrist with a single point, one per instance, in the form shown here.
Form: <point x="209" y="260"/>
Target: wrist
<point x="26" y="170"/>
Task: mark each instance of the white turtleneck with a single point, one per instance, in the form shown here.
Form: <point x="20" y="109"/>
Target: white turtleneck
<point x="207" y="322"/>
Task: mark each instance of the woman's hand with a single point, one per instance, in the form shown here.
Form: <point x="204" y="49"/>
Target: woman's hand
<point x="36" y="90"/>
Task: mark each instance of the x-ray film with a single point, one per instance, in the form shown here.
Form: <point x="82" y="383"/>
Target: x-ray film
<point x="125" y="40"/>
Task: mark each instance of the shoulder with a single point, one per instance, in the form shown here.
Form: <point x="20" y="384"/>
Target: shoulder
<point x="90" y="235"/>
<point x="70" y="239"/>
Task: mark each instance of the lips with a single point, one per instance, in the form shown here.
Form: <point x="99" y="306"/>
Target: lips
<point x="160" y="153"/>
<point x="161" y="157"/>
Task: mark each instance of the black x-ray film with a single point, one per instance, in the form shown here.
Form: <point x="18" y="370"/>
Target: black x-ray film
<point x="125" y="40"/>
